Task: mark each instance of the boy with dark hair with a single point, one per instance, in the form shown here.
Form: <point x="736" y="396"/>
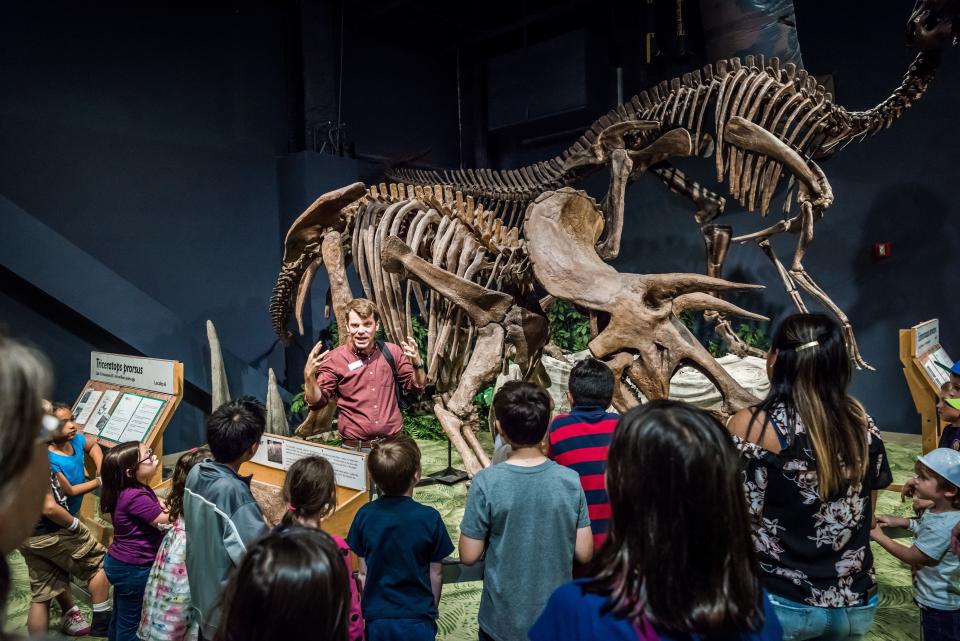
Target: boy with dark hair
<point x="401" y="544"/>
<point x="527" y="516"/>
<point x="220" y="515"/>
<point x="580" y="439"/>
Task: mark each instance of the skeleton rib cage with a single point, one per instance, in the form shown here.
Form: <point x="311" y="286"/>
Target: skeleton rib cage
<point x="785" y="101"/>
<point x="447" y="230"/>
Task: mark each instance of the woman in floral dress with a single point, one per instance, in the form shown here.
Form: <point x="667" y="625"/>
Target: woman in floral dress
<point x="813" y="462"/>
<point x="167" y="614"/>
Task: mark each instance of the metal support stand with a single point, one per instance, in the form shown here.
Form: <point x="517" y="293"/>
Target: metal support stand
<point x="449" y="476"/>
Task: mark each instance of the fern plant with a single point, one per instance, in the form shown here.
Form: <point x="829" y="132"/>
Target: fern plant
<point x="424" y="427"/>
<point x="754" y="336"/>
<point x="569" y="329"/>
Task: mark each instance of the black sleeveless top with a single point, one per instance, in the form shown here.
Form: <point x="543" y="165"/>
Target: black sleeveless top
<point x="810" y="551"/>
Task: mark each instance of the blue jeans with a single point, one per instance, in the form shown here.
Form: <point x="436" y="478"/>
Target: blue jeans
<point x="129" y="583"/>
<point x="939" y="625"/>
<point x="802" y="622"/>
<point x="401" y="630"/>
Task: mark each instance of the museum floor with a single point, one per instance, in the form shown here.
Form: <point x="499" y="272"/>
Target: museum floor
<point x="897" y="618"/>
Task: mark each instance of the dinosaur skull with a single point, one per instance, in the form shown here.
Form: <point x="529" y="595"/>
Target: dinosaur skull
<point x="302" y="254"/>
<point x="933" y="24"/>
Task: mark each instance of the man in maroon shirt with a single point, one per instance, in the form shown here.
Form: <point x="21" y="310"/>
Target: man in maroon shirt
<point x="361" y="379"/>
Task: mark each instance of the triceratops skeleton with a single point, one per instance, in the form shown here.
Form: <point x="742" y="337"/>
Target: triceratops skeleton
<point x="475" y="280"/>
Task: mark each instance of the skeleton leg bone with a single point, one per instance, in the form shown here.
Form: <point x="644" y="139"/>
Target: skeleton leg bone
<point x="481" y="370"/>
<point x="785" y="276"/>
<point x="487" y="309"/>
<point x="802" y="278"/>
<point x="716" y="240"/>
<point x="626" y="166"/>
<point x="815" y="195"/>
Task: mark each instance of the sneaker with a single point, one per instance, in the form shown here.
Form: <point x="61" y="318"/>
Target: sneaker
<point x="100" y="624"/>
<point x="74" y="624"/>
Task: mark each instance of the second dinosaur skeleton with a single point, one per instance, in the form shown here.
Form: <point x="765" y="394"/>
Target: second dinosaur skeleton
<point x="760" y="121"/>
<point x="474" y="279"/>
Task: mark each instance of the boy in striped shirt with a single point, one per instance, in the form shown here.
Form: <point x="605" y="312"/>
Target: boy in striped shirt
<point x="579" y="440"/>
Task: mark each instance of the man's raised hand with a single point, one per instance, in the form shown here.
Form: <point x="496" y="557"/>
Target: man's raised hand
<point x="314" y="360"/>
<point x="411" y="350"/>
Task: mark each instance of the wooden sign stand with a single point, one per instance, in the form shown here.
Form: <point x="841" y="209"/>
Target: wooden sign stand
<point x="269" y="470"/>
<point x="104" y="402"/>
<point x="920" y="351"/>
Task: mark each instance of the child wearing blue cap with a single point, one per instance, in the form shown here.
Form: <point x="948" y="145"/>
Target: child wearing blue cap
<point x="935" y="566"/>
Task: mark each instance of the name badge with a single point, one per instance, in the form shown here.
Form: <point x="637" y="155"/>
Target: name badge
<point x="355" y="365"/>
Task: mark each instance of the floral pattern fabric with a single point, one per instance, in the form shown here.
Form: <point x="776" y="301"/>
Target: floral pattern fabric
<point x="810" y="551"/>
<point x="167" y="612"/>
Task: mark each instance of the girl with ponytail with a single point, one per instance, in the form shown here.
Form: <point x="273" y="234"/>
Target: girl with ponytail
<point x="814" y="461"/>
<point x="310" y="491"/>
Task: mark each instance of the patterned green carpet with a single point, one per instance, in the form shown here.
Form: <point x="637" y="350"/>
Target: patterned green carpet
<point x="897" y="619"/>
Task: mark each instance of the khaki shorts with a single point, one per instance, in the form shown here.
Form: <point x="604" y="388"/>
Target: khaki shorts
<point x="53" y="558"/>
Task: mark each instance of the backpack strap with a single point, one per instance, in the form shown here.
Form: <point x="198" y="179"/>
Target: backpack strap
<point x="393" y="366"/>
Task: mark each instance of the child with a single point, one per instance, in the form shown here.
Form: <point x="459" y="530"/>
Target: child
<point x="219" y="512"/>
<point x="137" y="516"/>
<point x="954" y="371"/>
<point x="167" y="613"/>
<point x="948" y="405"/>
<point x="935" y="565"/>
<point x="291" y="585"/>
<point x="528" y="515"/>
<point x="579" y="440"/>
<point x="948" y="408"/>
<point x="59" y="547"/>
<point x="401" y="544"/>
<point x="657" y="574"/>
<point x="310" y="491"/>
<point x="66" y="452"/>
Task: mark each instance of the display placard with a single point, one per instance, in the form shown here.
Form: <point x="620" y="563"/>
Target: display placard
<point x="132" y="418"/>
<point x="349" y="467"/>
<point x="931" y="365"/>
<point x="101" y="413"/>
<point x="85" y="405"/>
<point x="128" y="398"/>
<point x="922" y="355"/>
<point x="926" y="336"/>
<point x="151" y="374"/>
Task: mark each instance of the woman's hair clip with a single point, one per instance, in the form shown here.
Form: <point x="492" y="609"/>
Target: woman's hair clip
<point x="811" y="344"/>
<point x="291" y="508"/>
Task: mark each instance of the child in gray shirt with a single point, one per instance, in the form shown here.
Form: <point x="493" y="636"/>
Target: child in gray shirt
<point x="527" y="517"/>
<point x="936" y="578"/>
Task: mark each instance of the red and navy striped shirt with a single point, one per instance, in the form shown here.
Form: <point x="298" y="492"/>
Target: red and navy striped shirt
<point x="580" y="440"/>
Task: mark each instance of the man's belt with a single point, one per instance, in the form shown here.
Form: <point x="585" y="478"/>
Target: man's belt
<point x="358" y="444"/>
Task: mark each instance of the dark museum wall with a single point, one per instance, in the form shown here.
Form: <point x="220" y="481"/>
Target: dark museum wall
<point x="149" y="141"/>
<point x="154" y="148"/>
<point x="152" y="160"/>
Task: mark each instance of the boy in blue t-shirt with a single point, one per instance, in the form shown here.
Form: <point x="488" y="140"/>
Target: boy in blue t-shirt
<point x="401" y="544"/>
<point x="66" y="452"/>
